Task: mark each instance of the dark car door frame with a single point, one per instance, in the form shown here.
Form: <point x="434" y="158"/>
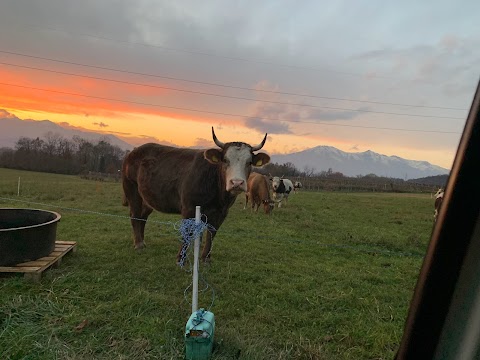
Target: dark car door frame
<point x="447" y="292"/>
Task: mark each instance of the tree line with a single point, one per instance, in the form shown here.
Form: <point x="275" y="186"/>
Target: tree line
<point x="289" y="170"/>
<point x="56" y="154"/>
<point x="330" y="180"/>
<point x="77" y="156"/>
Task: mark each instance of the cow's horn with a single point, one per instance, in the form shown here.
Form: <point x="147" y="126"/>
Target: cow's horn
<point x="259" y="146"/>
<point x="218" y="142"/>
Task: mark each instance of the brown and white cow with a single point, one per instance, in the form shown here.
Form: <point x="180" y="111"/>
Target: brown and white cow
<point x="175" y="180"/>
<point x="438" y="202"/>
<point x="259" y="193"/>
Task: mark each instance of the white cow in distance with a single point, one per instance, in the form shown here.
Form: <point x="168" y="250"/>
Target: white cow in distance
<point x="281" y="189"/>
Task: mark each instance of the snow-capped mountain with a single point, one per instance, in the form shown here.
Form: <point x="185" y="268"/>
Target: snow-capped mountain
<point x="322" y="158"/>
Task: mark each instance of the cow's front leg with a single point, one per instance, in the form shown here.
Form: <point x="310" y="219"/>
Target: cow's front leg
<point x="207" y="247"/>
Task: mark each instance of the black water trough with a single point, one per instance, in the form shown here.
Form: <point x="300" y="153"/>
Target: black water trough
<point x="26" y="234"/>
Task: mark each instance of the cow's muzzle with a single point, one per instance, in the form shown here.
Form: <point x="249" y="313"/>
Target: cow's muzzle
<point x="236" y="186"/>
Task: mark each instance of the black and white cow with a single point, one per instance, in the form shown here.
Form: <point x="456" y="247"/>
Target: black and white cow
<point x="281" y="189"/>
<point x="438" y="202"/>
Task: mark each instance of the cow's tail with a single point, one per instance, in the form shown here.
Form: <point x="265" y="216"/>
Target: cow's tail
<point x="124" y="180"/>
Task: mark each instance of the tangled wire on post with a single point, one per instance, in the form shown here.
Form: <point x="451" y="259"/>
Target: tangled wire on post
<point x="189" y="231"/>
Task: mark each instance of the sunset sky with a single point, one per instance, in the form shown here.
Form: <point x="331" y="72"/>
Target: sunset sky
<point x="396" y="78"/>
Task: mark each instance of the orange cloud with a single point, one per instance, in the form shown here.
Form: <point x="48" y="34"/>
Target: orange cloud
<point x="56" y="94"/>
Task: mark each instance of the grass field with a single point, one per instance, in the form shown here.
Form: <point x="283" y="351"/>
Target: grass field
<point x="330" y="276"/>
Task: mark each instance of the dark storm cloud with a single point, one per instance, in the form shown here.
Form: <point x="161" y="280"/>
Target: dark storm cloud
<point x="278" y="118"/>
<point x="79" y="17"/>
<point x="267" y="126"/>
<point x="332" y="115"/>
<point x="452" y="63"/>
<point x="268" y="118"/>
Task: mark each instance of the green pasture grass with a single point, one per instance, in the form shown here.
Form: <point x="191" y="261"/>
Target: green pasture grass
<point x="328" y="276"/>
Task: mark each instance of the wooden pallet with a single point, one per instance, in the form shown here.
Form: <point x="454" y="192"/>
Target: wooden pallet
<point x="33" y="270"/>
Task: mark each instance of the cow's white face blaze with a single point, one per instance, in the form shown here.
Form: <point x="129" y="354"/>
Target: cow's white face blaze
<point x="238" y="165"/>
<point x="439" y="193"/>
<point x="275" y="182"/>
<point x="236" y="159"/>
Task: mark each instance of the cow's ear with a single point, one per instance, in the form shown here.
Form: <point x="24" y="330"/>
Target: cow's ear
<point x="213" y="156"/>
<point x="260" y="159"/>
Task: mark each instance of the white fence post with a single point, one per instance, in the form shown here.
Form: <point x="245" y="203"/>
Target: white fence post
<point x="196" y="253"/>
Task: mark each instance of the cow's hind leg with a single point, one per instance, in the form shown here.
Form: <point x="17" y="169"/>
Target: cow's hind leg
<point x="139" y="220"/>
<point x="139" y="212"/>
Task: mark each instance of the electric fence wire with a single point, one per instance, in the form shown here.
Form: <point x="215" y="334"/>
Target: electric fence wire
<point x="191" y="231"/>
<point x="187" y="229"/>
<point x="245" y="98"/>
<point x="357" y="247"/>
<point x="256" y="117"/>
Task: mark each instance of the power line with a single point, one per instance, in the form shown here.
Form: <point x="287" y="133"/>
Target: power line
<point x="227" y="86"/>
<point x="223" y="96"/>
<point x="203" y="53"/>
<point x="226" y="114"/>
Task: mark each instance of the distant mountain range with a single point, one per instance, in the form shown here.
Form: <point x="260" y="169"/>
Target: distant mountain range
<point x="12" y="128"/>
<point x="320" y="158"/>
